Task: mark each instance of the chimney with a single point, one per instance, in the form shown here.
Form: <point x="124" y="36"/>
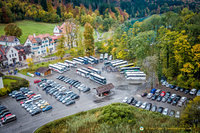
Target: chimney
<point x="34" y="35"/>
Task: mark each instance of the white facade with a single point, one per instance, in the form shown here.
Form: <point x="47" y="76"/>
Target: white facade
<point x="56" y="31"/>
<point x="14" y="43"/>
<point x="41" y="49"/>
<point x="1" y="83"/>
<point x="12" y="56"/>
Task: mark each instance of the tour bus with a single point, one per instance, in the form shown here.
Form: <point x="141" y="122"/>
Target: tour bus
<point x="56" y="68"/>
<point x="124" y="69"/>
<point x="78" y="60"/>
<point x="115" y="62"/>
<point x="127" y="65"/>
<point x="97" y="78"/>
<point x="71" y="63"/>
<point x="84" y="59"/>
<point x="101" y="57"/>
<point x="82" y="72"/>
<point x="120" y="63"/>
<point x="129" y="73"/>
<point x="96" y="61"/>
<point x="106" y="56"/>
<point x="64" y="67"/>
<point x="64" y="64"/>
<point x="110" y="57"/>
<point x="87" y="70"/>
<point x="136" y="77"/>
<point x="94" y="70"/>
<point x="90" y="60"/>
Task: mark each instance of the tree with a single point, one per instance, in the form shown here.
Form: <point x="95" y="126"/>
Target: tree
<point x="13" y="30"/>
<point x="47" y="49"/>
<point x="30" y="62"/>
<point x="61" y="47"/>
<point x="190" y="115"/>
<point x="88" y="39"/>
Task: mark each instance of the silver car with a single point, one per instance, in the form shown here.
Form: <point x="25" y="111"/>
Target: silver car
<point x="165" y="111"/>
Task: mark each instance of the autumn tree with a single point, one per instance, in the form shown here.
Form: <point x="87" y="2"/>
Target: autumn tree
<point x="61" y="47"/>
<point x="88" y="39"/>
<point x="30" y="62"/>
<point x="13" y="30"/>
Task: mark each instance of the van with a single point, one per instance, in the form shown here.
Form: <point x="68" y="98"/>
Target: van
<point x="153" y="91"/>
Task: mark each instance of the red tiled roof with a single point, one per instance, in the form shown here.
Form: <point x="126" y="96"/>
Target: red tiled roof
<point x="7" y="38"/>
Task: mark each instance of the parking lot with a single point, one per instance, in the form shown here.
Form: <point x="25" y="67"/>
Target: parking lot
<point x="26" y="123"/>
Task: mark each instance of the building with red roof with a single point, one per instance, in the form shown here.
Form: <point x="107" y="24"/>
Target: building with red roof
<point x="9" y="40"/>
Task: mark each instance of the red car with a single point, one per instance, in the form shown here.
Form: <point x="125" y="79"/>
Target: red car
<point x="5" y="116"/>
<point x="37" y="81"/>
<point x="163" y="93"/>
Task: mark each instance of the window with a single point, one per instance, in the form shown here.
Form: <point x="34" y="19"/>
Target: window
<point x="15" y="54"/>
<point x="10" y="56"/>
<point x="12" y="51"/>
<point x="46" y="45"/>
<point x="38" y="52"/>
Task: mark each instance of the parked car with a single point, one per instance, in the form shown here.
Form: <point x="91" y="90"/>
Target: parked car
<point x="70" y="102"/>
<point x="177" y="88"/>
<point x="37" y="81"/>
<point x="138" y="104"/>
<point x="163" y="93"/>
<point x="182" y="89"/>
<point x="143" y="106"/>
<point x="148" y="106"/>
<point x="165" y="111"/>
<point x="144" y="94"/>
<point x="49" y="107"/>
<point x="159" y="98"/>
<point x="154" y="97"/>
<point x="160" y="109"/>
<point x="177" y="115"/>
<point x="149" y="95"/>
<point x="158" y="91"/>
<point x="198" y="93"/>
<point x="172" y="86"/>
<point x="186" y="91"/>
<point x="153" y="91"/>
<point x="134" y="102"/>
<point x="173" y="96"/>
<point x="36" y="111"/>
<point x="154" y="108"/>
<point x="193" y="91"/>
<point x="172" y="113"/>
<point x="169" y="100"/>
<point x="130" y="100"/>
<point x="164" y="99"/>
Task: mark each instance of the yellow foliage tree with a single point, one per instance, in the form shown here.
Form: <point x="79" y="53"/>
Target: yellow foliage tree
<point x="30" y="62"/>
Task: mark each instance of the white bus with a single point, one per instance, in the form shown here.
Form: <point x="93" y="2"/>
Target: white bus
<point x="129" y="73"/>
<point x="120" y="63"/>
<point x="115" y="61"/>
<point x="82" y="72"/>
<point x="64" y="64"/>
<point x="79" y="61"/>
<point x="130" y="69"/>
<point x="71" y="63"/>
<point x="97" y="78"/>
<point x="56" y="68"/>
<point x="136" y="77"/>
<point x="94" y="70"/>
<point x="90" y="60"/>
<point x="64" y="67"/>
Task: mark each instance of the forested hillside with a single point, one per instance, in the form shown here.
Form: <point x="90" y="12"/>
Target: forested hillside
<point x="164" y="45"/>
<point x="59" y="10"/>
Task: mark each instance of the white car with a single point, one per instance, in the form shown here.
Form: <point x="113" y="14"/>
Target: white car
<point x="193" y="91"/>
<point x="180" y="103"/>
<point x="143" y="106"/>
<point x="173" y="96"/>
<point x="165" y="111"/>
<point x="183" y="99"/>
<point x="198" y="93"/>
<point x="177" y="115"/>
<point x="149" y="95"/>
<point x="125" y="100"/>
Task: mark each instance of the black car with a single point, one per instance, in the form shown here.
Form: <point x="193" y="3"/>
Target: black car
<point x="186" y="91"/>
<point x="160" y="109"/>
<point x="86" y="89"/>
<point x="178" y="97"/>
<point x="172" y="86"/>
<point x="130" y="100"/>
<point x="148" y="106"/>
<point x="134" y="102"/>
<point x="35" y="112"/>
<point x="20" y="98"/>
<point x="154" y="108"/>
<point x="4" y="114"/>
<point x="169" y="100"/>
<point x="144" y="94"/>
<point x="3" y="111"/>
<point x="174" y="102"/>
<point x="2" y="107"/>
<point x="159" y="98"/>
<point x="168" y="94"/>
<point x="154" y="97"/>
<point x="182" y="89"/>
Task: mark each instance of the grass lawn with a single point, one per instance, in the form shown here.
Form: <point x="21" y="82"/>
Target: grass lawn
<point x="29" y="27"/>
<point x="54" y="54"/>
<point x="114" y="118"/>
<point x="7" y="82"/>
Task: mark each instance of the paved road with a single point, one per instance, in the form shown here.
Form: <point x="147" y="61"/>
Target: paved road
<point x="27" y="124"/>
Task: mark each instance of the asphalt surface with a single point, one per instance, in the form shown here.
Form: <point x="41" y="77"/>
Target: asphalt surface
<point x="26" y="123"/>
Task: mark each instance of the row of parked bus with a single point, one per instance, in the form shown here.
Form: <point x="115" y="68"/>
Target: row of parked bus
<point x="59" y="67"/>
<point x="105" y="57"/>
<point x="86" y="60"/>
<point x="92" y="73"/>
